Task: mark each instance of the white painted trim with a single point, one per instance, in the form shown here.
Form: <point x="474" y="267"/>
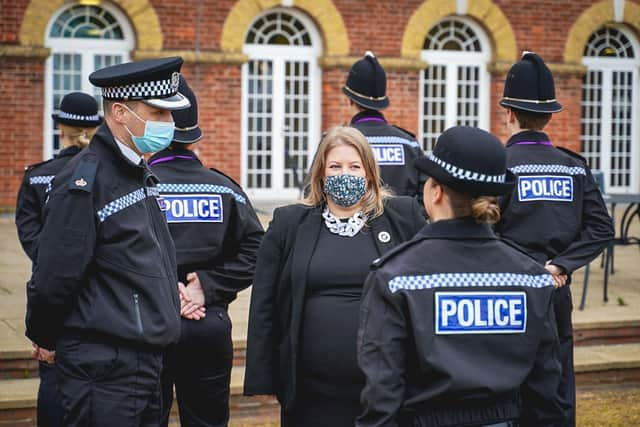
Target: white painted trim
<point x="461" y="7"/>
<point x="87" y="48"/>
<point x="618" y="10"/>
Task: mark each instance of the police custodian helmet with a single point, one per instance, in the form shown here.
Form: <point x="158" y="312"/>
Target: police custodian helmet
<point x="367" y="83"/>
<point x="469" y="160"/>
<point x="187" y="130"/>
<point x="529" y="86"/>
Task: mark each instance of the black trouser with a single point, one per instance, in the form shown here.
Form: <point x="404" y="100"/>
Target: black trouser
<point x="50" y="411"/>
<point x="563" y="306"/>
<point x="200" y="367"/>
<point x="106" y="383"/>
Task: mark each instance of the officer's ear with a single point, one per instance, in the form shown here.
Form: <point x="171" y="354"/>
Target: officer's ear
<point x="118" y="111"/>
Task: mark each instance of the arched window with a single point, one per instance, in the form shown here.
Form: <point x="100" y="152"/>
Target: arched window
<point x="610" y="133"/>
<point x="82" y="39"/>
<point x="454" y="88"/>
<point x="281" y="103"/>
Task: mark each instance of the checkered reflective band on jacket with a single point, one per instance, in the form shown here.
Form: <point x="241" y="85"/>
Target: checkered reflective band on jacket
<point x="468" y="280"/>
<point x="201" y="188"/>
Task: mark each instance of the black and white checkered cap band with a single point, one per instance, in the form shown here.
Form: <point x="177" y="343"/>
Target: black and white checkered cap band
<point x="467" y="175"/>
<point x="142" y="90"/>
<point x="63" y="115"/>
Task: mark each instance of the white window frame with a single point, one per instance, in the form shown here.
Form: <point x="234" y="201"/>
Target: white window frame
<point x="87" y="48"/>
<point x="452" y="60"/>
<point x="607" y="66"/>
<point x="279" y="54"/>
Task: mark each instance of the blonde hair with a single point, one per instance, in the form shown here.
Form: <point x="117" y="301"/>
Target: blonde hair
<point x="484" y="209"/>
<point x="76" y="136"/>
<point x="373" y="198"/>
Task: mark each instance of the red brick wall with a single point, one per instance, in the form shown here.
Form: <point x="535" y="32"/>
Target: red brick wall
<point x="539" y="25"/>
<point x="21" y="118"/>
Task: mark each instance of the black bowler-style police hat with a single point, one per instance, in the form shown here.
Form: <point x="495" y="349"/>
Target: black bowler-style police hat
<point x="529" y="86"/>
<point x="367" y="83"/>
<point x="78" y="109"/>
<point x="469" y="160"/>
<point x="187" y="130"/>
<point x="153" y="81"/>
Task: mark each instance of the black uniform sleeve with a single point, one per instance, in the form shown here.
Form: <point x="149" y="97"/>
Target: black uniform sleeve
<point x="541" y="404"/>
<point x="223" y="281"/>
<point x="263" y="335"/>
<point x="597" y="230"/>
<point x="28" y="218"/>
<point x="421" y="178"/>
<point x="381" y="353"/>
<point x="67" y="245"/>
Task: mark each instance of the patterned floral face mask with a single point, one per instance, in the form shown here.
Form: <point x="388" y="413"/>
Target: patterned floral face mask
<point x="345" y="190"/>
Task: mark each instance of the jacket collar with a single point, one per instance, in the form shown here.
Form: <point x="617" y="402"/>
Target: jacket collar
<point x="457" y="228"/>
<point x="104" y="138"/>
<point x="72" y="150"/>
<point x="368" y="116"/>
<point x="528" y="136"/>
<point x="171" y="154"/>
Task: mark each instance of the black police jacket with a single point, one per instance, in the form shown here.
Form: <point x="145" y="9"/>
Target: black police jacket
<point x="106" y="262"/>
<point x="395" y="151"/>
<point x="33" y="195"/>
<point x="214" y="227"/>
<point x="455" y="327"/>
<point x="556" y="211"/>
<point x="278" y="292"/>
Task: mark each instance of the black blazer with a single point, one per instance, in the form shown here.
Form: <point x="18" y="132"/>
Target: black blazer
<point x="278" y="293"/>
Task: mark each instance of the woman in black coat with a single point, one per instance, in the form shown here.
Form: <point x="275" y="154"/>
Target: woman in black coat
<point x="314" y="258"/>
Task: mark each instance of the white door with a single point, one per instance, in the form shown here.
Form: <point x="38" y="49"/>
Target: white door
<point x="281" y="105"/>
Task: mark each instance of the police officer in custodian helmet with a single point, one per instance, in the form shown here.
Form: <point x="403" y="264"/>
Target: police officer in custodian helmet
<point x="556" y="212"/>
<point x="111" y="312"/>
<point x="467" y="338"/>
<point x="395" y="148"/>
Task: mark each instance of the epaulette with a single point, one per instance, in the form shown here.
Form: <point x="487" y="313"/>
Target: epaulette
<point x="573" y="154"/>
<point x="84" y="174"/>
<point x="413" y="135"/>
<point x="379" y="262"/>
<point x="226" y="176"/>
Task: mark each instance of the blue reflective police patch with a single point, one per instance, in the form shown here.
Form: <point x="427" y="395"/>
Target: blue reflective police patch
<point x="193" y="207"/>
<point x="545" y="187"/>
<point x="388" y="154"/>
<point x="480" y="313"/>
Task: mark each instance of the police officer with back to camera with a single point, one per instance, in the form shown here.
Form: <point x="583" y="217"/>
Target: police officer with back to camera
<point x="77" y="120"/>
<point x="467" y="338"/>
<point x="217" y="234"/>
<point x="106" y="286"/>
<point x="556" y="212"/>
<point x="395" y="148"/>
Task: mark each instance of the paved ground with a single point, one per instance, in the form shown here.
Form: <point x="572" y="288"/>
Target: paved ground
<point x="624" y="292"/>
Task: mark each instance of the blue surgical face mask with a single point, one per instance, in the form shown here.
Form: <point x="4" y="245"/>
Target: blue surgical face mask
<point x="157" y="135"/>
<point x="345" y="190"/>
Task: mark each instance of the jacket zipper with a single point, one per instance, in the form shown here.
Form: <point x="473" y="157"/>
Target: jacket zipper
<point x="138" y="317"/>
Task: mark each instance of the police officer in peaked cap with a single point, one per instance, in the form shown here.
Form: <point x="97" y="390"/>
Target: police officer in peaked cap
<point x="395" y="148"/>
<point x="217" y="234"/>
<point x="105" y="291"/>
<point x="77" y="120"/>
<point x="456" y="326"/>
<point x="556" y="212"/>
